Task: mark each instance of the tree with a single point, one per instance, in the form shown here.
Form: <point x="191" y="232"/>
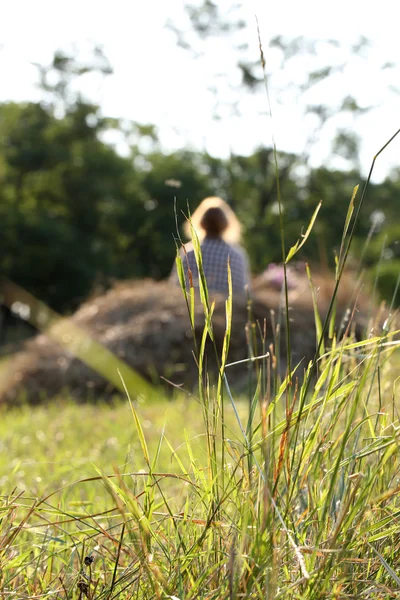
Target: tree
<point x="58" y="181"/>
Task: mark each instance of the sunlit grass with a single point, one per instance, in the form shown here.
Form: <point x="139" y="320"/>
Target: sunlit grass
<point x="152" y="521"/>
<point x="49" y="446"/>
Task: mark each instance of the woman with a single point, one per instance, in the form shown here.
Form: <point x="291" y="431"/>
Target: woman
<point x="218" y="230"/>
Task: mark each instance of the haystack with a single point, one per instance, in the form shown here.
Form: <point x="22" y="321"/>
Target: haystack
<point x="145" y="324"/>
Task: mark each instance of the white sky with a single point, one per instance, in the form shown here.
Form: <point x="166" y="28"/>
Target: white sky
<point x="157" y="82"/>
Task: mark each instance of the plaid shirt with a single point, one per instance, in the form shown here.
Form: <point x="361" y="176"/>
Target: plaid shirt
<point x="215" y="253"/>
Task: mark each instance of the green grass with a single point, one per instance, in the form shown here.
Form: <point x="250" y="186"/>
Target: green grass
<point x="46" y="447"/>
<point x="152" y="503"/>
<point x="285" y="494"/>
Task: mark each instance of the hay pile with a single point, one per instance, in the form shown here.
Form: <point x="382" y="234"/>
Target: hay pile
<point x="145" y="323"/>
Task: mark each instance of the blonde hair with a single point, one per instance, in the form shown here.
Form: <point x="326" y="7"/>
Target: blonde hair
<point x="232" y="232"/>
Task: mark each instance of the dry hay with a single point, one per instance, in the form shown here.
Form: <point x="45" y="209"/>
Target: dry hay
<point x="145" y="323"/>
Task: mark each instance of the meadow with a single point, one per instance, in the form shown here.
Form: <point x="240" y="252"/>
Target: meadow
<point x="291" y="490"/>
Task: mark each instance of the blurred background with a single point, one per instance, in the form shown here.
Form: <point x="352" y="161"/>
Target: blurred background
<point x="113" y="114"/>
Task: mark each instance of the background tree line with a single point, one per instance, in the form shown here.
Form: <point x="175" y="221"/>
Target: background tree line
<point x="75" y="213"/>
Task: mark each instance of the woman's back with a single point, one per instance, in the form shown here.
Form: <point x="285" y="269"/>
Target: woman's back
<point x="215" y="256"/>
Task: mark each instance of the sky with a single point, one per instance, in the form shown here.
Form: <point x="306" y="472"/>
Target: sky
<point x="195" y="97"/>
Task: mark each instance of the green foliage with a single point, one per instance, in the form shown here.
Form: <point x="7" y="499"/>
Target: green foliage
<point x="388" y="281"/>
<point x="169" y="180"/>
<point x="75" y="213"/>
<point x="170" y="504"/>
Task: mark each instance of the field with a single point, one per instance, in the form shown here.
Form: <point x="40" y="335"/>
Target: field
<point x="290" y="490"/>
<point x="276" y="476"/>
<point x="175" y="499"/>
